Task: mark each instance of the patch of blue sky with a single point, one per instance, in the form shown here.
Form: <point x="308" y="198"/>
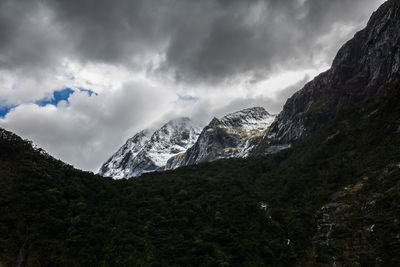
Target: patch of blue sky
<point x="90" y="92"/>
<point x="5" y="109"/>
<point x="60" y="95"/>
<point x="54" y="99"/>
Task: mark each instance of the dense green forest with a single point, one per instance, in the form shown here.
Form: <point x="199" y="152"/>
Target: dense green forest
<point x="331" y="199"/>
<point x="238" y="212"/>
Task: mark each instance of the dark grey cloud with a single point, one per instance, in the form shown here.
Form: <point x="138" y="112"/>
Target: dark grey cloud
<point x="21" y="40"/>
<point x="258" y="36"/>
<point x="112" y="31"/>
<point x="210" y="40"/>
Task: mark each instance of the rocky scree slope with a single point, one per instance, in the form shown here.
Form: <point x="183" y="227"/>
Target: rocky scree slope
<point x="234" y="135"/>
<point x="148" y="151"/>
<point x="360" y="69"/>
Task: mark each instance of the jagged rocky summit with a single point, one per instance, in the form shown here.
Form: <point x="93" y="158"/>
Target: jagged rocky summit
<point x="149" y="151"/>
<point x="180" y="143"/>
<point x="234" y="135"/>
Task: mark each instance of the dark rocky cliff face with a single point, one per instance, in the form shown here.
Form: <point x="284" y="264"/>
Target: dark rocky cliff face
<point x="360" y="71"/>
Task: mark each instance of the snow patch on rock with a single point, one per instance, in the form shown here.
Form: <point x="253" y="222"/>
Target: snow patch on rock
<point x="149" y="151"/>
<point x="234" y="135"/>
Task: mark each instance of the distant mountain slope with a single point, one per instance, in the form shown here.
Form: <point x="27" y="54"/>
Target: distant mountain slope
<point x="234" y="135"/>
<point x="148" y="151"/>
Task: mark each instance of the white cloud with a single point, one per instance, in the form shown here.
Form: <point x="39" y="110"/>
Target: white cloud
<point x="87" y="130"/>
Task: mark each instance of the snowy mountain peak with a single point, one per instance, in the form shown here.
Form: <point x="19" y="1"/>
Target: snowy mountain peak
<point x="117" y="165"/>
<point x="149" y="151"/>
<point x="248" y="114"/>
<point x="172" y="138"/>
<point x="234" y="135"/>
<point x="180" y="142"/>
<point x="250" y="121"/>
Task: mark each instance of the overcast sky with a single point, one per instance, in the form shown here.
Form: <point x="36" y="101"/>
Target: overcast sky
<point x="79" y="77"/>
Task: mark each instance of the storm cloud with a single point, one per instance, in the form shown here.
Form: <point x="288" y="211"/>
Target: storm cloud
<point x="150" y="60"/>
<point x="201" y="40"/>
